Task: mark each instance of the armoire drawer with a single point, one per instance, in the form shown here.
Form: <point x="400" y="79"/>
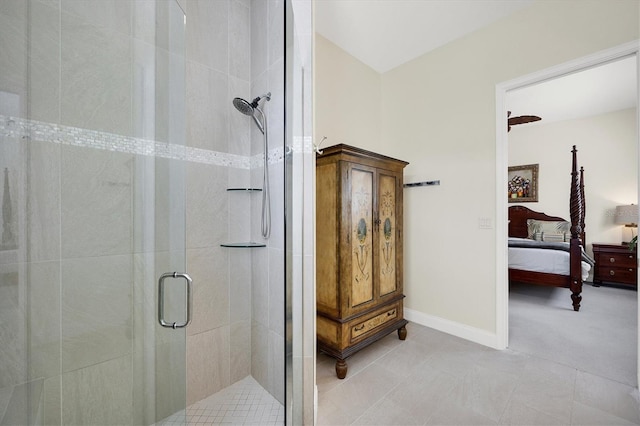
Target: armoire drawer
<point x="368" y="324"/>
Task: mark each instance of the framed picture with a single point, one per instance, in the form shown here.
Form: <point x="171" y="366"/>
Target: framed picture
<point x="522" y="186"/>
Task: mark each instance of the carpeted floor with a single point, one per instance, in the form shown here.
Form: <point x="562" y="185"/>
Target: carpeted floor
<point x="600" y="339"/>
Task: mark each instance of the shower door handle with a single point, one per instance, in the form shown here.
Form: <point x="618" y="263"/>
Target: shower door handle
<point x="189" y="300"/>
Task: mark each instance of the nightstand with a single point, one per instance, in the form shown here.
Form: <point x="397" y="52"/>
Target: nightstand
<point x="615" y="264"/>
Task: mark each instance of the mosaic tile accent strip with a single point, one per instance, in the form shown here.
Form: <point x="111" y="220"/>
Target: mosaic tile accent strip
<point x="24" y="129"/>
<point x="276" y="155"/>
<point x="243" y="403"/>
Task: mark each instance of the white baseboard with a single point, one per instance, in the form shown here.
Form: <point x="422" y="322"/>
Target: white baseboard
<point x="463" y="331"/>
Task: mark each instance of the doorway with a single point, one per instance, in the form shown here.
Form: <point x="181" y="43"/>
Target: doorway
<point x="592" y="61"/>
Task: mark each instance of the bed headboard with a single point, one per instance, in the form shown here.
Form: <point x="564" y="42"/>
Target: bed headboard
<point x="518" y="216"/>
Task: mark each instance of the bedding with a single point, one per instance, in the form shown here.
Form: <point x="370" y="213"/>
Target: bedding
<point x="537" y="256"/>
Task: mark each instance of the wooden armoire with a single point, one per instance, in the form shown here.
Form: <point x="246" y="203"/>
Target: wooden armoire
<point x="358" y="250"/>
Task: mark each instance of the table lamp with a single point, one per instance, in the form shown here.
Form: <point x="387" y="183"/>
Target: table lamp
<point x="627" y="215"/>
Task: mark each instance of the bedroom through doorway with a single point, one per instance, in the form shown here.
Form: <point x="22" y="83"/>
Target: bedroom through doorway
<point x="538" y="320"/>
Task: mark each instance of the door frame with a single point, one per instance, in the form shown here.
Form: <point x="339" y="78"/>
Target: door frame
<point x="580" y="64"/>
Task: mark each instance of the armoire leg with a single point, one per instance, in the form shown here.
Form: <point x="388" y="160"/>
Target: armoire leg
<point x="402" y="333"/>
<point x="341" y="368"/>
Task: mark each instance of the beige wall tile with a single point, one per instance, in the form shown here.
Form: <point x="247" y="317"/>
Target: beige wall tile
<point x="239" y="40"/>
<point x="259" y="40"/>
<point x="207" y="107"/>
<point x="207" y="210"/>
<point x="13" y="79"/>
<point x="96" y="310"/>
<point x="96" y="202"/>
<point x="52" y="401"/>
<point x="25" y="404"/>
<point x="275" y="31"/>
<point x="96" y="74"/>
<point x="240" y="347"/>
<point x="43" y="194"/>
<point x="208" y="269"/>
<point x="276" y="366"/>
<point x="170" y="374"/>
<point x="113" y="14"/>
<point x="240" y="214"/>
<point x="240" y="285"/>
<point x="208" y="27"/>
<point x="98" y="394"/>
<point x="260" y="287"/>
<point x="276" y="178"/>
<point x="13" y="344"/>
<point x="276" y="291"/>
<point x="43" y="288"/>
<point x="44" y="62"/>
<point x="260" y="354"/>
<point x="207" y="363"/>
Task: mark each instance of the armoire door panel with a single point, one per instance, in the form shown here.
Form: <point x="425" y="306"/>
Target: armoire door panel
<point x="387" y="223"/>
<point x="361" y="236"/>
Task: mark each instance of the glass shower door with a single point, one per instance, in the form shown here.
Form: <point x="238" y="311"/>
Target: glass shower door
<point x="159" y="382"/>
<point x="92" y="130"/>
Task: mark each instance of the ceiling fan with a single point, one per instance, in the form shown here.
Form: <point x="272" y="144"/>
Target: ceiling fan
<point x="521" y="119"/>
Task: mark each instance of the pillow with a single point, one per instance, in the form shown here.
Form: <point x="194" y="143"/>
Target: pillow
<point x="547" y="236"/>
<point x="546" y="230"/>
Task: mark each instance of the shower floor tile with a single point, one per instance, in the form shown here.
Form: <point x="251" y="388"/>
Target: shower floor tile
<point x="243" y="403"/>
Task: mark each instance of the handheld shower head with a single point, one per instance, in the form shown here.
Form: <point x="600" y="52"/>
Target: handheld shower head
<point x="250" y="108"/>
<point x="243" y="106"/>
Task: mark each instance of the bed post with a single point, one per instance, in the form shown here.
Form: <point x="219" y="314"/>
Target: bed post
<point x="576" y="210"/>
<point x="583" y="234"/>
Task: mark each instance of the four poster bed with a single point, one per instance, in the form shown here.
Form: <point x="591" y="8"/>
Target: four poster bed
<point x="548" y="250"/>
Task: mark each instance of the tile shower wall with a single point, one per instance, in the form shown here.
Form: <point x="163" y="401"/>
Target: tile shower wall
<point x="234" y="49"/>
<point x="268" y="284"/>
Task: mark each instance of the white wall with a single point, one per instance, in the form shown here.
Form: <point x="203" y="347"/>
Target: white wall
<point x="608" y="151"/>
<point x="347" y="99"/>
<point x="450" y="262"/>
<point x="438" y="113"/>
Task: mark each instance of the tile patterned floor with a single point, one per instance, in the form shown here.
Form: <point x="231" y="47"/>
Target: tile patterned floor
<point x="243" y="403"/>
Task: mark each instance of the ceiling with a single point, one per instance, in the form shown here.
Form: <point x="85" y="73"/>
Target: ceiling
<point x="387" y="33"/>
<point x="606" y="88"/>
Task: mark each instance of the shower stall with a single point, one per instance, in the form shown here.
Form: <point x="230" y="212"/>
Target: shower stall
<point x="131" y="206"/>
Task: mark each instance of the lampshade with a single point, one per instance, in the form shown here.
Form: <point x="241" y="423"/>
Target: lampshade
<point x="627" y="215"/>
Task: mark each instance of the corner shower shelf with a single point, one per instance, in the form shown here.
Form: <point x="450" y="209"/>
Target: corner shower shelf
<point x="243" y="245"/>
<point x="249" y="244"/>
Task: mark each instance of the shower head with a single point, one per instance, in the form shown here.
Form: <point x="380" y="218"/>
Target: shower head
<point x="250" y="108"/>
<point x="243" y="106"/>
